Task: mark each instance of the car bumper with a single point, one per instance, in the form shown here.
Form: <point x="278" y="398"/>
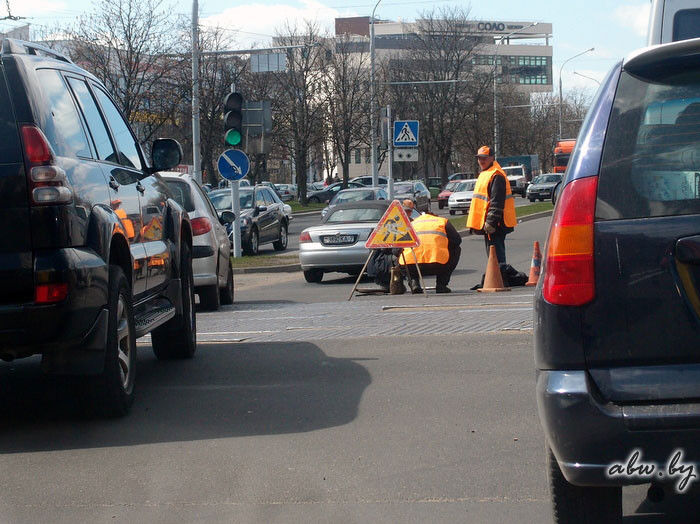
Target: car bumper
<point x="588" y="435"/>
<point x="316" y="256"/>
<point x="459" y="205"/>
<point x="204" y="270"/>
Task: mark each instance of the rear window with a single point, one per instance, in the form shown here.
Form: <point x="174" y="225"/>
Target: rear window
<point x="353" y="196"/>
<point x="686" y="24"/>
<point x="355" y="215"/>
<point x="181" y="193"/>
<point x="651" y="157"/>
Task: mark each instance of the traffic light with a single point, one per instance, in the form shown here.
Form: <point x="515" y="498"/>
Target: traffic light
<point x="233" y="119"/>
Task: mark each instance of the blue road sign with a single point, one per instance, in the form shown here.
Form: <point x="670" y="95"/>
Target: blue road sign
<point x="233" y="164"/>
<point x="406" y="133"/>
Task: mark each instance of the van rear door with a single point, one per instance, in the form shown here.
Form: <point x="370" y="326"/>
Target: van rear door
<point x="16" y="275"/>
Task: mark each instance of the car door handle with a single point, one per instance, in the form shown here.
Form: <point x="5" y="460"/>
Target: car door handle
<point x="113" y="183"/>
<point x="140" y="188"/>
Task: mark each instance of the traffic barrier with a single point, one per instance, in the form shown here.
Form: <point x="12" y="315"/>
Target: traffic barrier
<point x="493" y="281"/>
<point x="535" y="266"/>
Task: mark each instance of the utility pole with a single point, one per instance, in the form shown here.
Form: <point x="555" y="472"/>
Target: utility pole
<point x="390" y="146"/>
<point x="561" y="98"/>
<point x="373" y="102"/>
<point x="196" y="148"/>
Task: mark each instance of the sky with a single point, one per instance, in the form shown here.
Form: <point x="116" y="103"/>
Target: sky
<point x="613" y="28"/>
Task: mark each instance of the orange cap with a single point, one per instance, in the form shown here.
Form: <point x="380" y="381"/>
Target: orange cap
<point x="484" y="151"/>
<point x="407" y="204"/>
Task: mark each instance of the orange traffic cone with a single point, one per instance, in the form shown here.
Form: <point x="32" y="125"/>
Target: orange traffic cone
<point x="536" y="265"/>
<point x="493" y="281"/>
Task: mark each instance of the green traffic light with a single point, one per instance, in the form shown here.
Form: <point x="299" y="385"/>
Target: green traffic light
<point x="233" y="137"/>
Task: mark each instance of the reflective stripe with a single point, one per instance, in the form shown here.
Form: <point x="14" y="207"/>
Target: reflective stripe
<point x="440" y="233"/>
<point x="482" y="197"/>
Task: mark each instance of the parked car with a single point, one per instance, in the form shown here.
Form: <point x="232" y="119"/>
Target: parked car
<point x="316" y="186"/>
<point x="327" y="193"/>
<point x="542" y="186"/>
<point x="415" y="191"/>
<point x="338" y="244"/>
<point x="213" y="275"/>
<point x="95" y="252"/>
<point x="617" y="314"/>
<point x="673" y="20"/>
<point x="461" y="197"/>
<point x="355" y="195"/>
<point x="461" y="176"/>
<point x="263" y="218"/>
<point x="444" y="195"/>
<point x="517" y="178"/>
<point x="287" y="192"/>
<point x="366" y="180"/>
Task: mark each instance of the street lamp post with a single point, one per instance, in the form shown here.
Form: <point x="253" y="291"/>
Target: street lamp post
<point x="588" y="77"/>
<point x="372" y="102"/>
<point x="561" y="98"/>
<point x="196" y="148"/>
<point x="496" y="145"/>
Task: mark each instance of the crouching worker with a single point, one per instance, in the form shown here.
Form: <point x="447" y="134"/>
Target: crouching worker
<point x="438" y="253"/>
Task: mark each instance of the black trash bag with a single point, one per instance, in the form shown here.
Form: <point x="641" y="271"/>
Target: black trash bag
<point x="379" y="267"/>
<point x="511" y="277"/>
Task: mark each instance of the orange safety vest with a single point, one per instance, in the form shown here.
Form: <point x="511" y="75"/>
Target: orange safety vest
<point x="433" y="242"/>
<point x="126" y="222"/>
<point x="480" y="200"/>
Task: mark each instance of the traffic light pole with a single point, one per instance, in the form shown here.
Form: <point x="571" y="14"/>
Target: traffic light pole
<point x="196" y="147"/>
<point x="236" y="208"/>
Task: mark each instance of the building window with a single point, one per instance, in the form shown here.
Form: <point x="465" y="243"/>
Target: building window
<point x="367" y="156"/>
<point x="358" y="156"/>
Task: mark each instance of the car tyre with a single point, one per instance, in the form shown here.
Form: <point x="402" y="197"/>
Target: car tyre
<point x="253" y="245"/>
<point x="313" y="276"/>
<point x="209" y="297"/>
<point x="227" y="292"/>
<point x="281" y="243"/>
<point x="177" y="338"/>
<point x="111" y="393"/>
<point x="452" y="211"/>
<point x="314" y="200"/>
<point x="531" y="199"/>
<point x="441" y="204"/>
<point x="580" y="504"/>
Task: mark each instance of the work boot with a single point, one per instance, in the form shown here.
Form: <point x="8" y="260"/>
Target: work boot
<point x="443" y="289"/>
<point x="415" y="287"/>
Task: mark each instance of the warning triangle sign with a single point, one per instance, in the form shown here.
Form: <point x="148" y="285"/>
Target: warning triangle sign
<point x="405" y="135"/>
<point x="394" y="230"/>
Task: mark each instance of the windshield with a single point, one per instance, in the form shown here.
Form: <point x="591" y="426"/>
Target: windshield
<point x="352" y="196"/>
<point x="371" y="214"/>
<point x="466" y="186"/>
<point x="543" y="179"/>
<point x="222" y="200"/>
<point x="403" y="188"/>
<point x="450" y="186"/>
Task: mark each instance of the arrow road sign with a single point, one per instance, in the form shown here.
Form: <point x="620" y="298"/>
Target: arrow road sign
<point x="406" y="133"/>
<point x="233" y="164"/>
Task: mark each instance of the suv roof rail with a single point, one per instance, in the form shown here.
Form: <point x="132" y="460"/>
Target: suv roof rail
<point x="13" y="46"/>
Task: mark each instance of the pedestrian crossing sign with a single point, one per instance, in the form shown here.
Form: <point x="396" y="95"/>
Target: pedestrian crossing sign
<point x="394" y="230"/>
<point x="406" y="133"/>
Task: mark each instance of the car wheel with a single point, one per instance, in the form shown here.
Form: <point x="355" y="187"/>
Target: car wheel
<point x="452" y="211"/>
<point x="281" y="244"/>
<point x="441" y="204"/>
<point x="314" y="200"/>
<point x="313" y="276"/>
<point x="253" y="244"/>
<point x="531" y="199"/>
<point x="227" y="292"/>
<point x="209" y="297"/>
<point x="578" y="504"/>
<point x="112" y="391"/>
<point x="177" y="338"/>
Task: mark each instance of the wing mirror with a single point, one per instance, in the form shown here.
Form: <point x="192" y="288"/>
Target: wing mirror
<point x="166" y="153"/>
<point x="227" y="217"/>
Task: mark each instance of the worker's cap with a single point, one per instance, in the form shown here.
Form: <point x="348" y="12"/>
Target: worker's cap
<point x="484" y="151"/>
<point x="407" y="204"/>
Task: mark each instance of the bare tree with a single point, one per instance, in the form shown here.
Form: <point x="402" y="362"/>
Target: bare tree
<point x="130" y="45"/>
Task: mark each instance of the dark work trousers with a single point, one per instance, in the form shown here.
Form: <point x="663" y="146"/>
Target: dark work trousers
<point x="499" y="241"/>
<point x="442" y="272"/>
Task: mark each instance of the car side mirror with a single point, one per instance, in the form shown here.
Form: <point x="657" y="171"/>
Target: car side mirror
<point x="227" y="217"/>
<point x="166" y="153"/>
<point x="260" y="209"/>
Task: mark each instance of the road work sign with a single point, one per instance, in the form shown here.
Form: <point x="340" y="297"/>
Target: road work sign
<point x="406" y="133"/>
<point x="394" y="230"/>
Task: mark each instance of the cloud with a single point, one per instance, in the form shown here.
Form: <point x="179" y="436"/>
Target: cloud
<point x="260" y="22"/>
<point x="634" y="17"/>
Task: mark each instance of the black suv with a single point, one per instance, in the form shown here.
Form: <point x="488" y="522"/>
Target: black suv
<point x="617" y="310"/>
<point x="93" y="253"/>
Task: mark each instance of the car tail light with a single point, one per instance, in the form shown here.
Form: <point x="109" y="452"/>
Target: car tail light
<point x="200" y="226"/>
<point x="50" y="293"/>
<point x="304" y="237"/>
<point x="569" y="278"/>
<point x="47" y="181"/>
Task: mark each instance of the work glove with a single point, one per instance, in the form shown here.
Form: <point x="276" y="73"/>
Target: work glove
<point x="489" y="228"/>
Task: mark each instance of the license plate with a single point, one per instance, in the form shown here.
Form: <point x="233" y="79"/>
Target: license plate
<point x="338" y="240"/>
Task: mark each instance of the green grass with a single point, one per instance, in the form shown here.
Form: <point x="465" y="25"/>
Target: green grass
<point x="264" y="260"/>
<point x="460" y="221"/>
<point x="297" y="207"/>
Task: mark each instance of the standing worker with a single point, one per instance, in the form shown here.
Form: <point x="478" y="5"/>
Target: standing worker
<point x="438" y="253"/>
<point x="492" y="211"/>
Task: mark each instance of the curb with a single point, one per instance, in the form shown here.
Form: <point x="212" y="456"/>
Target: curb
<point x="289" y="268"/>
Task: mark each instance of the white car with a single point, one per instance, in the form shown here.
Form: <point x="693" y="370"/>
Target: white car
<point x="518" y="180"/>
<point x="461" y="197"/>
<point x="211" y="249"/>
